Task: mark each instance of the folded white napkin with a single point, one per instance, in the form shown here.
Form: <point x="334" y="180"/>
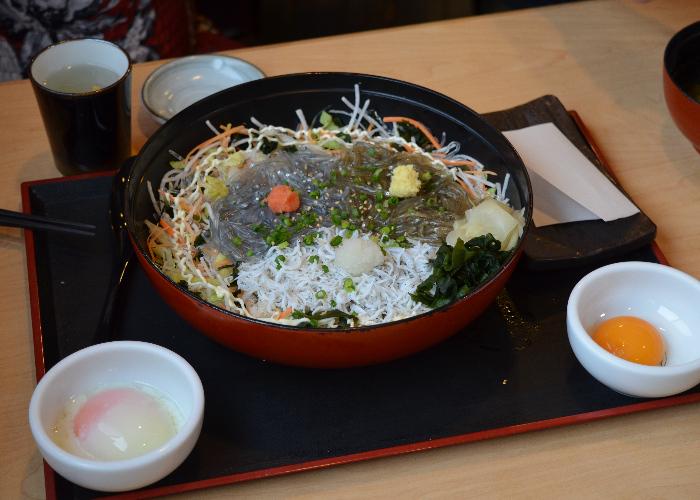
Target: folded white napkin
<point x="567" y="187"/>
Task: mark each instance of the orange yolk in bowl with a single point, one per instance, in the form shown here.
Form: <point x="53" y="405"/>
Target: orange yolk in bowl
<point x="631" y="338"/>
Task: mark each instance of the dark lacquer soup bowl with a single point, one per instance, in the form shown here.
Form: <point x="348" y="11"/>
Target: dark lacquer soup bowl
<point x="274" y="101"/>
<point x="681" y="81"/>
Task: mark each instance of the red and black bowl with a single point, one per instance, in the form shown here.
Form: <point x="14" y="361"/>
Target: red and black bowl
<point x="274" y="101"/>
<point x="681" y="81"/>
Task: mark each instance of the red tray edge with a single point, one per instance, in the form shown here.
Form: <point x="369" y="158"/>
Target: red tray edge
<point x="50" y="474"/>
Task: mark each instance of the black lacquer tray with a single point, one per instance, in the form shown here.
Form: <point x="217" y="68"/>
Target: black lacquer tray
<point x="510" y="371"/>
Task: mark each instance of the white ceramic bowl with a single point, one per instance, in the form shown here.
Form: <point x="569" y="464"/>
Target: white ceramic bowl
<point x="182" y="82"/>
<point x="665" y="297"/>
<point x="111" y="364"/>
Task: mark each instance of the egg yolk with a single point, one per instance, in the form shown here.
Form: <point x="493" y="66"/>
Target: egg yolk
<point x="632" y="339"/>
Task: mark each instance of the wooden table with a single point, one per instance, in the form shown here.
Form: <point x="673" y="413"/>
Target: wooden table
<point x="601" y="58"/>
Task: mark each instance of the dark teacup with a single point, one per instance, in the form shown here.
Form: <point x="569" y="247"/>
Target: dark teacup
<point x="83" y="88"/>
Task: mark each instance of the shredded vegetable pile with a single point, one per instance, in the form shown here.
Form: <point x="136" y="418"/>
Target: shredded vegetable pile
<point x="336" y="223"/>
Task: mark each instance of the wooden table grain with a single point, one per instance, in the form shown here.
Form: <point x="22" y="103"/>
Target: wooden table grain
<point x="602" y="58"/>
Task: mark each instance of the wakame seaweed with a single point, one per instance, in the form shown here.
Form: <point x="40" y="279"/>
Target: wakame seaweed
<point x="458" y="269"/>
<point x="344" y="319"/>
<point x="408" y="131"/>
<point x="268" y="146"/>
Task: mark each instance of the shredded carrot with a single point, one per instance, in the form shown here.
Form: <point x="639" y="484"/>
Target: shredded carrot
<point x="184" y="205"/>
<point x="467" y="163"/>
<point x="286" y="313"/>
<point x="466" y="187"/>
<point x="241" y="129"/>
<point x="150" y="244"/>
<point x="167" y="227"/>
<point x="418" y="125"/>
<point x="408" y="148"/>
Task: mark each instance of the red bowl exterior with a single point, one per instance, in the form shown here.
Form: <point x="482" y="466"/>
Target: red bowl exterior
<point x="684" y="110"/>
<point x="327" y="348"/>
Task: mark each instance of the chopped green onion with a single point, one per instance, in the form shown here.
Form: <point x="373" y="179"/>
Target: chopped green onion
<point x="348" y="285"/>
<point x="337" y="240"/>
<point x="321" y="294"/>
<point x="324" y="268"/>
<point x="313" y="258"/>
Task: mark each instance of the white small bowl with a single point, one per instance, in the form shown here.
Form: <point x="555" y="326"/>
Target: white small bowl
<point x="111" y="364"/>
<point x="665" y="297"/>
<point x="182" y="82"/>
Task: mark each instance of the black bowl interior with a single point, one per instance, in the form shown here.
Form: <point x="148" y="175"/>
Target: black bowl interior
<point x="274" y="101"/>
<point x="682" y="57"/>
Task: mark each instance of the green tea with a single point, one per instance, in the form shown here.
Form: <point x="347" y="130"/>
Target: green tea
<point x="80" y="78"/>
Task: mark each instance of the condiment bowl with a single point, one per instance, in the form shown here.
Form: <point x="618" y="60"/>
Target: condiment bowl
<point x="182" y="82"/>
<point x="665" y="297"/>
<point x="681" y="79"/>
<point x="113" y="364"/>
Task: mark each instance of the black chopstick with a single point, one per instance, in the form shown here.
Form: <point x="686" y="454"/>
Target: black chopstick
<point x="28" y="221"/>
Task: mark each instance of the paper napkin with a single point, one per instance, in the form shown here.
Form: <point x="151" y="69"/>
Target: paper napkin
<point x="567" y="187"/>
